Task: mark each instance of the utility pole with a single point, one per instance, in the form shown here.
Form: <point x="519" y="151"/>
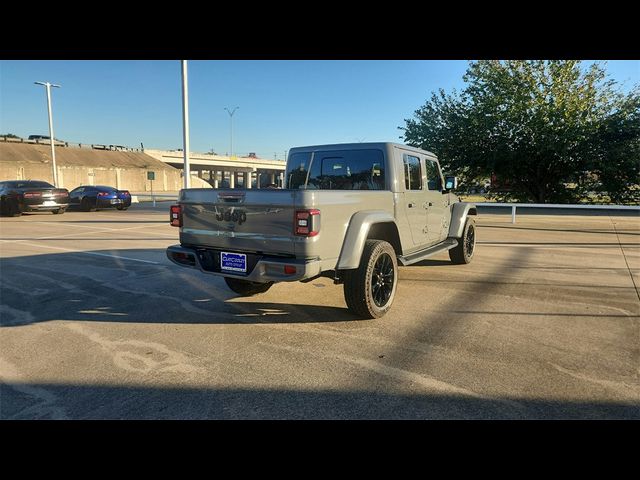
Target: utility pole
<point x="231" y="122"/>
<point x="51" y="137"/>
<point x="185" y="125"/>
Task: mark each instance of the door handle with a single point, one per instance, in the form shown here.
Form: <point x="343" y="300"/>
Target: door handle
<point x="411" y="205"/>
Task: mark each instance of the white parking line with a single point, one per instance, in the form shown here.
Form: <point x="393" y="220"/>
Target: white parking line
<point x="95" y="230"/>
<point x="90" y="253"/>
<point x="96" y="227"/>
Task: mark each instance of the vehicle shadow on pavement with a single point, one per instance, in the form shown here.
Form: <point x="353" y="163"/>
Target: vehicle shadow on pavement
<point x="58" y="401"/>
<point x="136" y="286"/>
<point x="431" y="263"/>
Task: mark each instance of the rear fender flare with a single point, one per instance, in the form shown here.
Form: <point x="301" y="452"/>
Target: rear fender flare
<point x="356" y="236"/>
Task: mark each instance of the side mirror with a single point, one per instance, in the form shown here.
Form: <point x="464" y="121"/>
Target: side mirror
<point x="450" y="183"/>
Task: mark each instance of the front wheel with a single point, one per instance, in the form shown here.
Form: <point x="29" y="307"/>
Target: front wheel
<point x="58" y="211"/>
<point x="369" y="290"/>
<point x="463" y="253"/>
<point x="246" y="288"/>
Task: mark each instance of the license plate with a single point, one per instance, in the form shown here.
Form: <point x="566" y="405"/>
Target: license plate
<point x="49" y="202"/>
<point x="233" y="262"/>
<point x="116" y="200"/>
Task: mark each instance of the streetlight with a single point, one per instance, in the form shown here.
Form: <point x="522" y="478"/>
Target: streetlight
<point x="51" y="137"/>
<point x="231" y="121"/>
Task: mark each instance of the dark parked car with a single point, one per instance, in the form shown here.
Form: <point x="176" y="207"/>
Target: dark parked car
<point x="18" y="196"/>
<point x="91" y="197"/>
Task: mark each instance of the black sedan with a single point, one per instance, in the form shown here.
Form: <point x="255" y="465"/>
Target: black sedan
<point x="18" y="196"/>
<point x="91" y="197"/>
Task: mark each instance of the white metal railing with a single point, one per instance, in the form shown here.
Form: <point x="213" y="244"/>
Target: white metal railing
<point x="513" y="206"/>
<point x="135" y="198"/>
<point x="585" y="206"/>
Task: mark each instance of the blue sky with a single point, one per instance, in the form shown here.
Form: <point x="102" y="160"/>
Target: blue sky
<point x="283" y="104"/>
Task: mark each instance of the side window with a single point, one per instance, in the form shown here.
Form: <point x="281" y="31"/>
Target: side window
<point x="412" y="173"/>
<point x="434" y="181"/>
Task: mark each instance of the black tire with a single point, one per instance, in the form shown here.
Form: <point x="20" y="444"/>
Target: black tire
<point x="10" y="208"/>
<point x="58" y="211"/>
<point x="120" y="207"/>
<point x="463" y="253"/>
<point x="245" y="288"/>
<point x="86" y="205"/>
<point x="369" y="290"/>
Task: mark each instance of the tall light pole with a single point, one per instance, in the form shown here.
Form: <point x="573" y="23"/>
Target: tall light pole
<point x="231" y="121"/>
<point x="51" y="137"/>
<point x="185" y="126"/>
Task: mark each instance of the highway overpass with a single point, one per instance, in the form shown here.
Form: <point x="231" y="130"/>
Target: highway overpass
<point x="226" y="172"/>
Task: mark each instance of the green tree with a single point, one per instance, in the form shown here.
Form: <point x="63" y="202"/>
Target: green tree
<point x="9" y="135"/>
<point x="550" y="130"/>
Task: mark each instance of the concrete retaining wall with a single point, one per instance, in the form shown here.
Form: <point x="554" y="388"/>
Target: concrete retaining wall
<point x="125" y="170"/>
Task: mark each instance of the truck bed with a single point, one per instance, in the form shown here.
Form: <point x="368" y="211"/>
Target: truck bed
<point x="262" y="221"/>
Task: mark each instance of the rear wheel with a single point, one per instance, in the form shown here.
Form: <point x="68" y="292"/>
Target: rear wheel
<point x="86" y="205"/>
<point x="120" y="207"/>
<point x="58" y="211"/>
<point x="463" y="253"/>
<point x="370" y="289"/>
<point x="246" y="288"/>
<point x="9" y="207"/>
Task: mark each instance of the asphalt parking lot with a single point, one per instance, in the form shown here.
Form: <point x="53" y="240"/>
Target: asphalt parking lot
<point x="98" y="324"/>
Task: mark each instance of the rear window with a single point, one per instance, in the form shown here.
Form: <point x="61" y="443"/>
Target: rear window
<point x="29" y="184"/>
<point x="337" y="170"/>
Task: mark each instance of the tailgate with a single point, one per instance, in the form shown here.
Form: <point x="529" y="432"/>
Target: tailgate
<point x="238" y="220"/>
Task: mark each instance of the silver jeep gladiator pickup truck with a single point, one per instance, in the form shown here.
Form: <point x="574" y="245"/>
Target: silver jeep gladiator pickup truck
<point x="350" y="212"/>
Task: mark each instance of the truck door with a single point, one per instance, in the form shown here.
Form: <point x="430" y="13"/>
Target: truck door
<point x="414" y="199"/>
<point x="437" y="208"/>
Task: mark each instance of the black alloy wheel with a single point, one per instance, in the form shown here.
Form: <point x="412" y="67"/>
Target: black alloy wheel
<point x="382" y="280"/>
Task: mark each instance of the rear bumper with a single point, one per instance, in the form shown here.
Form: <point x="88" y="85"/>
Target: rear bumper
<point x="107" y="202"/>
<point x="25" y="207"/>
<point x="267" y="269"/>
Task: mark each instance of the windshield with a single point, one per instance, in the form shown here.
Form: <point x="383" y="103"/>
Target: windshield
<point x="337" y="170"/>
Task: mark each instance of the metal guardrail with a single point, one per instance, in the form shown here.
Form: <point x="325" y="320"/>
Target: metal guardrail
<point x="513" y="206"/>
<point x="556" y="206"/>
<point x="135" y="198"/>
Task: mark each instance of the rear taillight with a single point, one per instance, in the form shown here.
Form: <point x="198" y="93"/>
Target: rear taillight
<point x="125" y="193"/>
<point x="175" y="217"/>
<point x="32" y="194"/>
<point x="102" y="194"/>
<point x="307" y="223"/>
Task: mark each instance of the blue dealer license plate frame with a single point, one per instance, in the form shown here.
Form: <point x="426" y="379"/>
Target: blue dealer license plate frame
<point x="233" y="262"/>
